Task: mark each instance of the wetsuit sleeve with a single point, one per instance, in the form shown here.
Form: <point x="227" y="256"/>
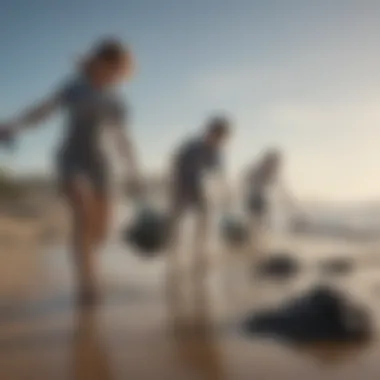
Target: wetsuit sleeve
<point x="42" y="110"/>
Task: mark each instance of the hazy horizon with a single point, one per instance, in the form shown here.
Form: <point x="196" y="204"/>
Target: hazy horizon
<point x="301" y="75"/>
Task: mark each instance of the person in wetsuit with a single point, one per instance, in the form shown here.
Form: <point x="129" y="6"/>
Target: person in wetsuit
<point x="91" y="104"/>
<point x="191" y="163"/>
<point x="262" y="178"/>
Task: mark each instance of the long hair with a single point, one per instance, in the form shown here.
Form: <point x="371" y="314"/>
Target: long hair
<point x="110" y="50"/>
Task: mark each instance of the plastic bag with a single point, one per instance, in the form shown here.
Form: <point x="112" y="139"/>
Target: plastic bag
<point x="148" y="231"/>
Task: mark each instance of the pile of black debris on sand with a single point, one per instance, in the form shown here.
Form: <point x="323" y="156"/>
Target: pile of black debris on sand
<point x="278" y="266"/>
<point x="337" y="266"/>
<point x="321" y="315"/>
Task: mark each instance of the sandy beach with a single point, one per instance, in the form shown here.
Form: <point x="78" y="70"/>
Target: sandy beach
<point x="137" y="332"/>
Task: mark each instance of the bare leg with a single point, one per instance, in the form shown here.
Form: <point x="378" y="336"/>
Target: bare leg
<point x="80" y="199"/>
<point x="254" y="242"/>
<point x="90" y="359"/>
<point x="176" y="215"/>
<point x="101" y="218"/>
<point x="201" y="234"/>
<point x="173" y="275"/>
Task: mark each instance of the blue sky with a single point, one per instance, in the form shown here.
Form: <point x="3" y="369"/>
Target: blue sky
<point x="299" y="74"/>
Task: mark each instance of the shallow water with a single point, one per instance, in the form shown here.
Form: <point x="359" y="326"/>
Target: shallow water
<point x="139" y="331"/>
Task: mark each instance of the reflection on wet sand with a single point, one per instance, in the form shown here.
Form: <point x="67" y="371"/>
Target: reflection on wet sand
<point x="335" y="355"/>
<point x="196" y="345"/>
<point x="90" y="354"/>
<point x="38" y="339"/>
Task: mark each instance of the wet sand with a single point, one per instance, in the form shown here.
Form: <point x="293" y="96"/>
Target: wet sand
<point x="138" y="331"/>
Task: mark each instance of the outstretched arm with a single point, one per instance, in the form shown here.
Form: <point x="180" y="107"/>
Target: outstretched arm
<point x="127" y="150"/>
<point x="30" y="117"/>
<point x="119" y="121"/>
<point x="38" y="113"/>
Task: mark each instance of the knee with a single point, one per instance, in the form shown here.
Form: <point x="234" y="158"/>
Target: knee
<point x="100" y="231"/>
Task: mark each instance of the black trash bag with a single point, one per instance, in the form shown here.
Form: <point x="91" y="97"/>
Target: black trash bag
<point x="233" y="230"/>
<point x="322" y="315"/>
<point x="337" y="266"/>
<point x="280" y="265"/>
<point x="148" y="232"/>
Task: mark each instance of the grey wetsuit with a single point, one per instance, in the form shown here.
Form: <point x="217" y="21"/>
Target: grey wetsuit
<point x="259" y="184"/>
<point x="88" y="111"/>
<point x="193" y="159"/>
